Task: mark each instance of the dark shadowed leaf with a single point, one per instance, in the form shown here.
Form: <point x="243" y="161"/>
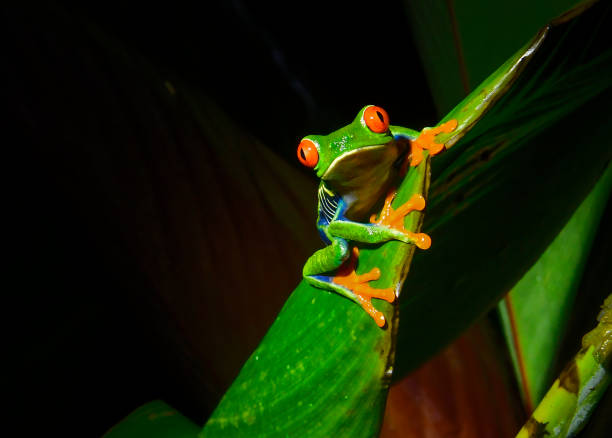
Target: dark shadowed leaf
<point x="461" y="42"/>
<point x="154" y="420"/>
<point x="543" y="300"/>
<point x="506" y="189"/>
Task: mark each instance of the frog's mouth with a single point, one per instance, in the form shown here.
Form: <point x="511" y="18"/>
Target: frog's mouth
<point x="362" y="177"/>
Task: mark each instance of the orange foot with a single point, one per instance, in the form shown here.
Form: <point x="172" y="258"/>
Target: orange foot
<point x="427" y="140"/>
<point x="395" y="218"/>
<point x="358" y="284"/>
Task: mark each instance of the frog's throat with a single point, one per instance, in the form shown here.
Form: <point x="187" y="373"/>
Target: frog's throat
<point x="362" y="177"/>
<point x="356" y="158"/>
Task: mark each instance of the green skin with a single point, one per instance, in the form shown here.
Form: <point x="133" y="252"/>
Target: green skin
<point x="357" y="167"/>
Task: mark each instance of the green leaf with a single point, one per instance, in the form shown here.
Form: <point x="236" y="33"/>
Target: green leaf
<point x="462" y="42"/>
<point x="154" y="420"/>
<point x="324" y="367"/>
<point x="496" y="202"/>
<point x="542" y="301"/>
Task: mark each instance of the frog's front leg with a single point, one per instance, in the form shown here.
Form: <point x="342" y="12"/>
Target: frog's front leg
<point x="394" y="219"/>
<point x="339" y="258"/>
<point x="388" y="226"/>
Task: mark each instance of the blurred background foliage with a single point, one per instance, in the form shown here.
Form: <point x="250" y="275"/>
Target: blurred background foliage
<point x="121" y="150"/>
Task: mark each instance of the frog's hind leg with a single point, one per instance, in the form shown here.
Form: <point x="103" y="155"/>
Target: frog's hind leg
<point x="325" y="260"/>
<point x="346" y="282"/>
<point x="358" y="284"/>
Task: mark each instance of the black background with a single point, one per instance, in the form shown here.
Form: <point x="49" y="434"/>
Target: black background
<point x="282" y="70"/>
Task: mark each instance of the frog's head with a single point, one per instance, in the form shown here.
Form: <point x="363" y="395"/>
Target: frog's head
<point x="358" y="161"/>
<point x="349" y="149"/>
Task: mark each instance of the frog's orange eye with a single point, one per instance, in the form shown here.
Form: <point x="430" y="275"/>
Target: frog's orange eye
<point x="376" y="119"/>
<point x="307" y="153"/>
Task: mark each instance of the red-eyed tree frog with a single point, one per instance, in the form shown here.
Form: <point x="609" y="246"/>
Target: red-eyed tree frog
<point x="357" y="165"/>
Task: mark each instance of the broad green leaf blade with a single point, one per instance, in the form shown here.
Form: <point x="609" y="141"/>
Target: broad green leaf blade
<point x="324" y="367"/>
<point x="567" y="63"/>
<point x="542" y="301"/>
<point x="496" y="202"/>
<point x="572" y="398"/>
<point x="462" y="42"/>
<point x="154" y="420"/>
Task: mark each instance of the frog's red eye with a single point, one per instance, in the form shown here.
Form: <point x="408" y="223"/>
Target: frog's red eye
<point x="307" y="153"/>
<point x="376" y="119"/>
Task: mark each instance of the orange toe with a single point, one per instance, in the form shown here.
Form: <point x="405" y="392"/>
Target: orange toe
<point x="394" y="218"/>
<point x="427" y="141"/>
<point x="348" y="278"/>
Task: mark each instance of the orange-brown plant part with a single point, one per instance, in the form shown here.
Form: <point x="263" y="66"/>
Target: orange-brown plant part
<point x="463" y="392"/>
